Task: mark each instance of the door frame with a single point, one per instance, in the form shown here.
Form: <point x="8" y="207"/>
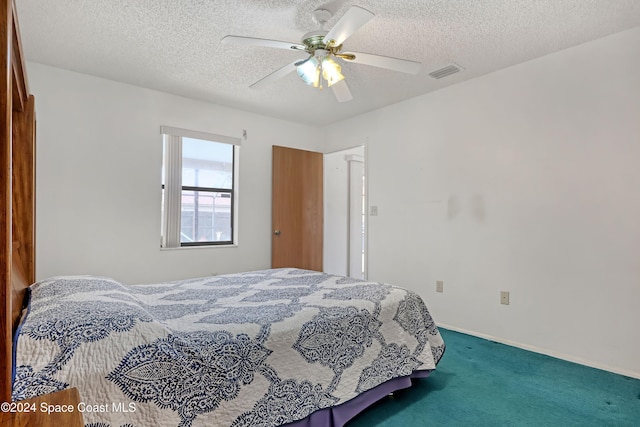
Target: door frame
<point x="327" y="197"/>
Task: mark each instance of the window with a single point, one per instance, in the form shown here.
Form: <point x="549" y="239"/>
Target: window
<point x="199" y="194"/>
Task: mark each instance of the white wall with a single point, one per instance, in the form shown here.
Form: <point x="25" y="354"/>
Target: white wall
<point x="525" y="180"/>
<point x="336" y="210"/>
<point x="99" y="156"/>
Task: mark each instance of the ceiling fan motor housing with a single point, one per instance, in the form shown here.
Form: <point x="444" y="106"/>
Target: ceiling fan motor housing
<point x="314" y="40"/>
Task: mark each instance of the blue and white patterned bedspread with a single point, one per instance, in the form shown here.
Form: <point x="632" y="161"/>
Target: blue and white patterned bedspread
<point x="262" y="348"/>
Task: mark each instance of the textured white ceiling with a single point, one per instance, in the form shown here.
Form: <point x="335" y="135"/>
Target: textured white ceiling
<point x="174" y="45"/>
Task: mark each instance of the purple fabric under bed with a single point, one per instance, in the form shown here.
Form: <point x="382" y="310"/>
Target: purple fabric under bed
<point x="339" y="415"/>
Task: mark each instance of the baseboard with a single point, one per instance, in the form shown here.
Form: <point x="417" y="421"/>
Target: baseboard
<point x="544" y="351"/>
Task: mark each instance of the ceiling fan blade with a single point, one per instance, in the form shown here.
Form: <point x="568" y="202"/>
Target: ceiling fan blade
<point x="351" y="21"/>
<point x="395" y="64"/>
<point x="276" y="75"/>
<point x="252" y="41"/>
<point x="341" y="91"/>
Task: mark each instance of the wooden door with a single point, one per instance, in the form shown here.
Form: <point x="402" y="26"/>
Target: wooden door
<point x="297" y="209"/>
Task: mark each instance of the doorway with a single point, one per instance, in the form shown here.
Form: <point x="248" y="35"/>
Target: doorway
<point x="345" y="224"/>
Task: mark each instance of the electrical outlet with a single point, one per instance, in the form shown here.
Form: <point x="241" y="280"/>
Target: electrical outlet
<point x="373" y="210"/>
<point x="439" y="286"/>
<point x="504" y="297"/>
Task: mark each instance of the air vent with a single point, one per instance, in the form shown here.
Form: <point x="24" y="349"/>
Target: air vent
<point x="445" y="71"/>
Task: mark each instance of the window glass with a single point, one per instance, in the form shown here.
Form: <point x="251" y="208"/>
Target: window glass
<point x="207" y="164"/>
<point x="205" y="217"/>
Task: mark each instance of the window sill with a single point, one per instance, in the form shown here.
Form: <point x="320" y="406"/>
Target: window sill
<point x="179" y="248"/>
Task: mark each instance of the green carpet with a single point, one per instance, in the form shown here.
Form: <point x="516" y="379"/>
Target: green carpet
<point x="484" y="383"/>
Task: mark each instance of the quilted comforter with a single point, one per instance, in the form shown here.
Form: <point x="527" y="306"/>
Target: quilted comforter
<point x="263" y="348"/>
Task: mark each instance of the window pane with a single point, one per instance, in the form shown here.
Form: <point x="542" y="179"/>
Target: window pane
<point x="206" y="217"/>
<point x="207" y="164"/>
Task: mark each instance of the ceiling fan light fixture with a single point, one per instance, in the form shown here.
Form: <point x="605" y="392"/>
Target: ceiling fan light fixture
<point x="318" y="67"/>
<point x="331" y="71"/>
<point x="309" y="72"/>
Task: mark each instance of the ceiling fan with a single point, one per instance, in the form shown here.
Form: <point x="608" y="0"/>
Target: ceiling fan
<point x="325" y="52"/>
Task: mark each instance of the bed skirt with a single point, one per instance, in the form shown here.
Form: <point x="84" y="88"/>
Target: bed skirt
<point x="338" y="416"/>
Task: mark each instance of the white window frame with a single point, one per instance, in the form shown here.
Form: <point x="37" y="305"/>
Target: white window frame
<point x="171" y="217"/>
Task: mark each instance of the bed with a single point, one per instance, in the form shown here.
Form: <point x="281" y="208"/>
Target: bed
<point x="263" y="348"/>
